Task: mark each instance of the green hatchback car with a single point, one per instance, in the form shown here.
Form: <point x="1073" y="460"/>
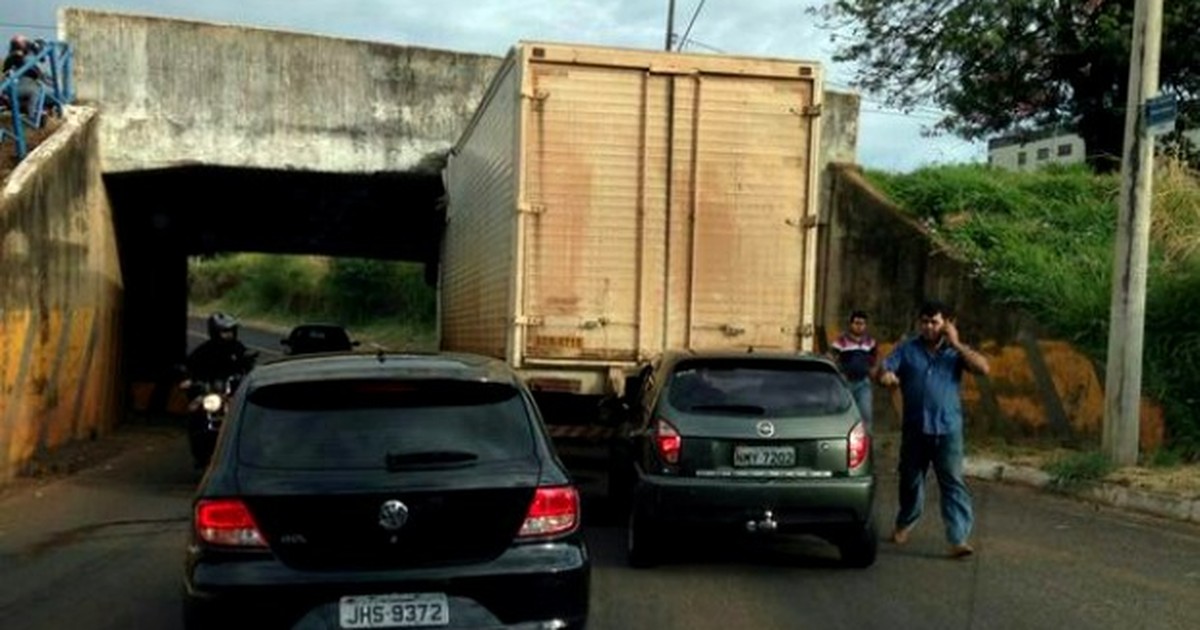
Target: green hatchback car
<point x="760" y="444"/>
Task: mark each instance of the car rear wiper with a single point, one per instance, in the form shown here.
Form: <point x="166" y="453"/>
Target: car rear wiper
<point x="420" y="459"/>
<point x="750" y="410"/>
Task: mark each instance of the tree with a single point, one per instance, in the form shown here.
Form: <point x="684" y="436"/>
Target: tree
<point x="1015" y="66"/>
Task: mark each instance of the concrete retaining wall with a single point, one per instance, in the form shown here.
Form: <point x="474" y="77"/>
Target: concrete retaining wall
<point x="878" y="258"/>
<point x="60" y="296"/>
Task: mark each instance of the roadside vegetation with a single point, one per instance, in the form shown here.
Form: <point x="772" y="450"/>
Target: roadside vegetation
<point x="1039" y="241"/>
<point x="1044" y="242"/>
<point x="385" y="303"/>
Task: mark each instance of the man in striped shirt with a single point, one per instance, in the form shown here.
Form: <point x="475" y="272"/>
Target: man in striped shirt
<point x="856" y="354"/>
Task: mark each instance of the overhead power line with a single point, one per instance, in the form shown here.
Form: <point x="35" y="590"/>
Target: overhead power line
<point x="893" y="112"/>
<point x="699" y="44"/>
<point x="44" y="27"/>
<point x="687" y="33"/>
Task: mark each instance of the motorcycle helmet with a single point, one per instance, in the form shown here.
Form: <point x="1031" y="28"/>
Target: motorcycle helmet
<point x="222" y="322"/>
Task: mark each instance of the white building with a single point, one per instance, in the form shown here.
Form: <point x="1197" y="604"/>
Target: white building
<point x="1049" y="147"/>
<point x="1012" y="154"/>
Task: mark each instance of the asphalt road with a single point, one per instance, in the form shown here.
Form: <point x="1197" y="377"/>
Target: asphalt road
<point x="104" y="549"/>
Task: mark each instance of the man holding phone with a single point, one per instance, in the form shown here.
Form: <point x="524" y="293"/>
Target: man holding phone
<point x="928" y="368"/>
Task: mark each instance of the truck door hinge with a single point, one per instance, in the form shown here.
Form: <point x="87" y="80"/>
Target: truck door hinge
<point x="806" y="222"/>
<point x="733" y="330"/>
<point x="811" y="111"/>
<point x="531" y="208"/>
<point x="537" y="99"/>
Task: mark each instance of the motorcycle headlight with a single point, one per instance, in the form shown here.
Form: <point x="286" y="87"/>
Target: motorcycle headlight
<point x="212" y="403"/>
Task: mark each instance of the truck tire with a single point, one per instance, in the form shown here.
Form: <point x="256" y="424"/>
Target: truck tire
<point x="643" y="541"/>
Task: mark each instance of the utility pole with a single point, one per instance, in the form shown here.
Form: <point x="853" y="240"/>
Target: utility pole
<point x="670" y="26"/>
<point x="1123" y="380"/>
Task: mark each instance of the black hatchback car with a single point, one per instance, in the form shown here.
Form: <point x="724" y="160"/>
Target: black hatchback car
<point x="745" y="443"/>
<point x="385" y="491"/>
<point x="314" y="338"/>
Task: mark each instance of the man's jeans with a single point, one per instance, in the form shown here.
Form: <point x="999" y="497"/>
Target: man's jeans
<point x="945" y="453"/>
<point x="861" y="390"/>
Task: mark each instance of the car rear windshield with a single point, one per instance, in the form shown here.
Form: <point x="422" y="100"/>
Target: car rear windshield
<point x="341" y="425"/>
<point x="757" y="388"/>
<point x="334" y="335"/>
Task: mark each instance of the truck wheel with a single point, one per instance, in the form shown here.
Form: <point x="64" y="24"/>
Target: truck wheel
<point x="620" y="484"/>
<point x="643" y="542"/>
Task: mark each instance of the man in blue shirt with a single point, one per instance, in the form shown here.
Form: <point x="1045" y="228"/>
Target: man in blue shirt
<point x="928" y="368"/>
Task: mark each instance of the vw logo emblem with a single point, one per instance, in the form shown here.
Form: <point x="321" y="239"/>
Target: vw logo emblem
<point x="393" y="515"/>
<point x="765" y="429"/>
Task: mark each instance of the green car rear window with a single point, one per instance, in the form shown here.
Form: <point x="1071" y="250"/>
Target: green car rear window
<point x="757" y="388"/>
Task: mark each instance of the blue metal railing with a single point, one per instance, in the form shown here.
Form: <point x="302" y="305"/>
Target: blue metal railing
<point x="55" y="90"/>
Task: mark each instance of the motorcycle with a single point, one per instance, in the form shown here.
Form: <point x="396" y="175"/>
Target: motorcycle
<point x="207" y="408"/>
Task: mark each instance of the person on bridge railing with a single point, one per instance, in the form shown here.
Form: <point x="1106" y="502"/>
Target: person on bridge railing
<point x="20" y="50"/>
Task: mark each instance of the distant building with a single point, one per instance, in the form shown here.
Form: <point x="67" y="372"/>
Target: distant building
<point x="1031" y="152"/>
<point x="1053" y="146"/>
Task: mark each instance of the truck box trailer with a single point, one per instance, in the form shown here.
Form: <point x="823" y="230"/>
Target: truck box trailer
<point x="605" y="204"/>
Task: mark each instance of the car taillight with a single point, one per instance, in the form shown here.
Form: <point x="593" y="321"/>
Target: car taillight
<point x="228" y="523"/>
<point x="860" y="445"/>
<point x="553" y="511"/>
<point x="668" y="440"/>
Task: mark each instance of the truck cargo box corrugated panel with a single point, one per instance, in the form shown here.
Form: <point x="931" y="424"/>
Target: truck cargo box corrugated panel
<point x="475" y="291"/>
<point x="664" y="200"/>
<point x="656" y="174"/>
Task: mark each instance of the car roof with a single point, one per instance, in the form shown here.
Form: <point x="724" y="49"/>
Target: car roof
<point x="318" y="326"/>
<point x="382" y="365"/>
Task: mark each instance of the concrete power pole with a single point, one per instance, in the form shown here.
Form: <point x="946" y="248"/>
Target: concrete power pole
<point x="1123" y="381"/>
<point x="670" y="26"/>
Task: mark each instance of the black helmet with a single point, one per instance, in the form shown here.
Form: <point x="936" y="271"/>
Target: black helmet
<point x="221" y="322"/>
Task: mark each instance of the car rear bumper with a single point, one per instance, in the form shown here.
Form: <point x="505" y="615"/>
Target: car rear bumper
<point x="529" y="586"/>
<point x="797" y="505"/>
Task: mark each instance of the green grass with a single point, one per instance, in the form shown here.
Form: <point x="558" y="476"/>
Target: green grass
<point x="1044" y="242"/>
<point x="383" y="303"/>
<point x="1077" y="469"/>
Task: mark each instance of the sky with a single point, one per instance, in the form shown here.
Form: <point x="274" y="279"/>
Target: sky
<point x="888" y="140"/>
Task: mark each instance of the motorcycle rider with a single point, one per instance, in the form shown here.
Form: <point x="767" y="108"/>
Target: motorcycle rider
<point x="222" y="354"/>
<point x="220" y="357"/>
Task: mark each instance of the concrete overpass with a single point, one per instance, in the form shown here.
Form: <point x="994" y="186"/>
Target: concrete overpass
<point x="224" y="138"/>
<point x="195" y="138"/>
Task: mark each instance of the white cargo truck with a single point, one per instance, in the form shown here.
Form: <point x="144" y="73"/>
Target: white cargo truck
<point x="605" y="204"/>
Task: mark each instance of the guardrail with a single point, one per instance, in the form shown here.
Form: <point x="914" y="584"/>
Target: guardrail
<point x="54" y="60"/>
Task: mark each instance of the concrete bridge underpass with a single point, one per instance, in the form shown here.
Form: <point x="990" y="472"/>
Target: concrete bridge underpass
<point x="219" y="209"/>
<point x="193" y="138"/>
<point x="219" y="139"/>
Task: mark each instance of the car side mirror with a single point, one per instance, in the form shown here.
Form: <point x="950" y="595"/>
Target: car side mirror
<point x="285" y="342"/>
<point x="355" y="344"/>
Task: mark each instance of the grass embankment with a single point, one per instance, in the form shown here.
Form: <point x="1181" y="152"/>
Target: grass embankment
<point x="381" y="302"/>
<point x="1044" y="242"/>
